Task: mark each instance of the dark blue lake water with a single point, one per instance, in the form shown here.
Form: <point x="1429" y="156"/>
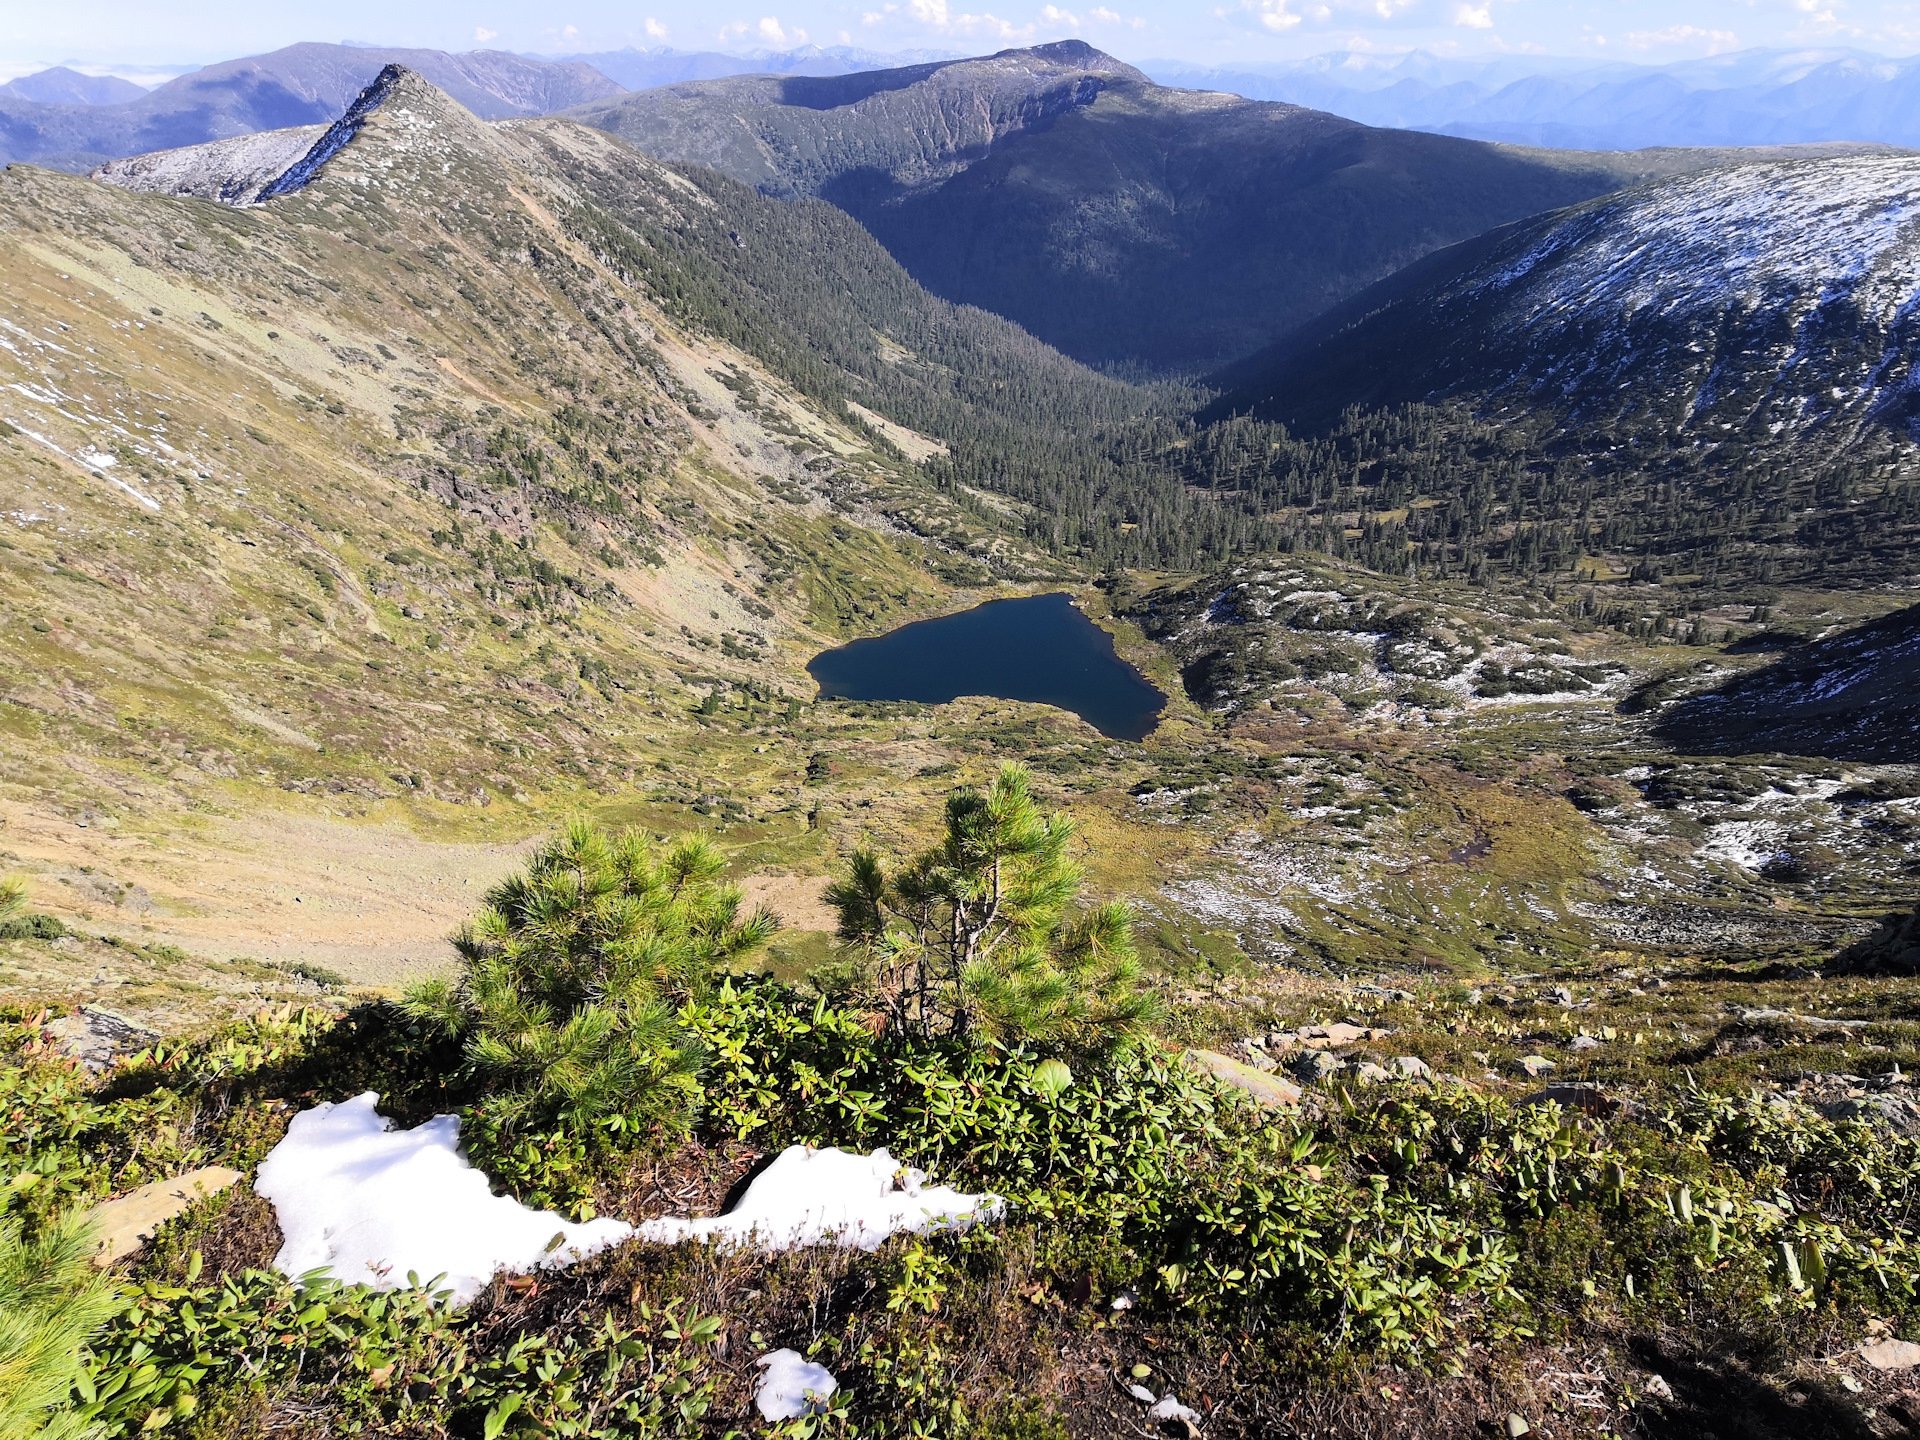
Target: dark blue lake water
<point x="1039" y="649"/>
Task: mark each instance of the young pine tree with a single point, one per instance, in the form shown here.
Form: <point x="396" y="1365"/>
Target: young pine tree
<point x="13" y="901"/>
<point x="51" y="1301"/>
<point x="571" y="979"/>
<point x="981" y="932"/>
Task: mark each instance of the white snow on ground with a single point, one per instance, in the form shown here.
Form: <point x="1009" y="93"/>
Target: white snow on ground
<point x="792" y="1386"/>
<point x="95" y="462"/>
<point x="374" y="1205"/>
<point x="1750" y="844"/>
<point x="820" y="1197"/>
<point x="1169" y="1409"/>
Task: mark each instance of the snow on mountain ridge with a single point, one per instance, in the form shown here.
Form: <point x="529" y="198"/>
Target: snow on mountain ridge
<point x="1749" y="236"/>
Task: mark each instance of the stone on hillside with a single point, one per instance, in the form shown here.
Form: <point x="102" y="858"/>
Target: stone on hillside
<point x="126" y="1223"/>
<point x="1337" y="1036"/>
<point x="1583" y="1042"/>
<point x="1268" y="1089"/>
<point x="1316" y="1067"/>
<point x="1369" y="1073"/>
<point x="97" y="1037"/>
<point x="1535" y="1065"/>
<point x="1412" y="1067"/>
<point x="1891" y="1354"/>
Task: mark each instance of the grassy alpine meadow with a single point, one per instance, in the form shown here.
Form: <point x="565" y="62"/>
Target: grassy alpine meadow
<point x="1446" y="1244"/>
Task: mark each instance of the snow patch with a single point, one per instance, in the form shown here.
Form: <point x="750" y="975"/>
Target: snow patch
<point x="792" y="1386"/>
<point x="390" y="1208"/>
<point x="831" y="1197"/>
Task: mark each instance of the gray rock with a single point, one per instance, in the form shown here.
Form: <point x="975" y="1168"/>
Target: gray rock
<point x="1412" y="1067"/>
<point x="1894" y="1113"/>
<point x="97" y="1037"/>
<point x="1369" y="1073"/>
<point x="1316" y="1067"/>
<point x="1536" y="1065"/>
<point x="1583" y="1042"/>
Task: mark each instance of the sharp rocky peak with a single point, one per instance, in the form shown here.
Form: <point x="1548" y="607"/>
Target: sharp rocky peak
<point x="399" y="103"/>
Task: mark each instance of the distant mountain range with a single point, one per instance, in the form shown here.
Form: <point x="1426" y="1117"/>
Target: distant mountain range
<point x="305" y="84"/>
<point x="1128" y="224"/>
<point x="645" y="69"/>
<point x="69" y="121"/>
<point x="1754" y="97"/>
<point x="1760" y="97"/>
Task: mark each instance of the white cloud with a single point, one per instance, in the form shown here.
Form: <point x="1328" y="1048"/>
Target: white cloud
<point x="481" y="34"/>
<point x="939" y="16"/>
<point x="655" y="30"/>
<point x="1284" y="16"/>
<point x="569" y="32"/>
<point x="1274" y="15"/>
<point x="1683" y="37"/>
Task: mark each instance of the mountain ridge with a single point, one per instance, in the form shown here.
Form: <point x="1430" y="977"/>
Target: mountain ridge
<point x="1128" y="224"/>
<point x="1777" y="295"/>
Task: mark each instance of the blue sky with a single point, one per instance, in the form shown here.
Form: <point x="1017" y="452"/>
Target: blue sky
<point x="130" y="34"/>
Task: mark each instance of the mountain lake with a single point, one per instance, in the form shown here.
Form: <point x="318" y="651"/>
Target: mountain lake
<point x="1039" y="649"/>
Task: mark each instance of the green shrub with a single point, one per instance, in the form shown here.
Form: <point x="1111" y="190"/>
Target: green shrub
<point x="392" y="1361"/>
<point x="571" y="979"/>
<point x="17" y="922"/>
<point x="980" y="932"/>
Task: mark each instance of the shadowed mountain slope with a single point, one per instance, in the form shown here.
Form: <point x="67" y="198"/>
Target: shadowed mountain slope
<point x="1851" y="696"/>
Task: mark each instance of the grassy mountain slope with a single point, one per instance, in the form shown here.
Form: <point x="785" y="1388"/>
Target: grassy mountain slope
<point x="1121" y="221"/>
<point x="408" y="496"/>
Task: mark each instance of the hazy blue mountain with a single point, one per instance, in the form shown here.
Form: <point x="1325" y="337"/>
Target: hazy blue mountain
<point x="60" y="85"/>
<point x="1754" y="97"/>
<point x="305" y="84"/>
<point x="644" y="69"/>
